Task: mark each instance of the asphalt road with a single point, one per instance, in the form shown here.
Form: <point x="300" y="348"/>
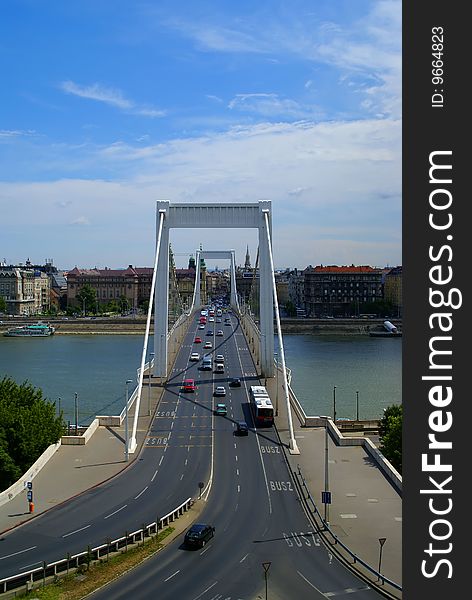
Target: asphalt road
<point x="252" y="502"/>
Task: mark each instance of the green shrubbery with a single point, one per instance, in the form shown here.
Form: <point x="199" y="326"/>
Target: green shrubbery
<point x="391" y="435"/>
<point x="28" y="425"/>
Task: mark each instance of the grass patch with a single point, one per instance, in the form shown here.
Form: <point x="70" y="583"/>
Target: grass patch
<point x="84" y="581"/>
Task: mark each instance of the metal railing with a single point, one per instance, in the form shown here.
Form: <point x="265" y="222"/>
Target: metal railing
<point x="333" y="539"/>
<point x="27" y="579"/>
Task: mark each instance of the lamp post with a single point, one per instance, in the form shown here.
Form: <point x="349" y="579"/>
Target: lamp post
<point x="83" y="305"/>
<point x="277" y="385"/>
<point x="381" y="542"/>
<point x="326" y="507"/>
<point x="128" y="381"/>
<point x="76" y="411"/>
<point x="149" y="386"/>
<point x="357" y="406"/>
<point x="334" y="405"/>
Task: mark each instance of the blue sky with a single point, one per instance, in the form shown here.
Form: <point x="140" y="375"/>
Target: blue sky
<point x="108" y="106"/>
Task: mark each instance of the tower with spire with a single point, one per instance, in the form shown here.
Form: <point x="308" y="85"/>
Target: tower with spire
<point x="247" y="262"/>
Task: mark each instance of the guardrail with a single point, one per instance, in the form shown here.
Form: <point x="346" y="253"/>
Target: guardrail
<point x="27" y="579"/>
<point x="332" y="538"/>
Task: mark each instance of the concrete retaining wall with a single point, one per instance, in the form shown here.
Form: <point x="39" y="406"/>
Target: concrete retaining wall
<point x="320" y="421"/>
<point x="30" y="474"/>
<point x="80" y="440"/>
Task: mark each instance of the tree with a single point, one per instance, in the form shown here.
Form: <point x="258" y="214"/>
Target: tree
<point x="290" y="309"/>
<point x="28" y="425"/>
<point x="391" y="435"/>
<point x="3" y="305"/>
<point x="87" y="297"/>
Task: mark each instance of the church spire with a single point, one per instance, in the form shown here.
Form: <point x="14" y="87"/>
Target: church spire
<point x="247" y="263"/>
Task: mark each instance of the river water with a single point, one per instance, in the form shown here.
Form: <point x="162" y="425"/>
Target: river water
<point x="95" y="367"/>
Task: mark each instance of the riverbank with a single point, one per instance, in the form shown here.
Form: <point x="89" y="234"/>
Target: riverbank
<point x="127" y="326"/>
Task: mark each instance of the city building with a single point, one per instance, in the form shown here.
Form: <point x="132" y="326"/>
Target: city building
<point x="25" y="288"/>
<point x="338" y="291"/>
<point x="393" y="290"/>
<point x="129" y="287"/>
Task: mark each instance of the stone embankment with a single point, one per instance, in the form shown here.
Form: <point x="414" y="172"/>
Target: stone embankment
<point x="124" y="326"/>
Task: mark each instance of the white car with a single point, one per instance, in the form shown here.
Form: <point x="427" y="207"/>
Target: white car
<point x="219" y="332"/>
<point x="220" y="390"/>
<point x="201" y="326"/>
<point x="195" y="356"/>
<point x="219" y="358"/>
<point x="211" y="319"/>
<point x="207" y="345"/>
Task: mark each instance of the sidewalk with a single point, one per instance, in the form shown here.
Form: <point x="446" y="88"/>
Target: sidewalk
<point x="364" y="505"/>
<point x="74" y="469"/>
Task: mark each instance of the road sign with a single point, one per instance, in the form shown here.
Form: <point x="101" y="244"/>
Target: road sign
<point x="29" y="485"/>
<point x="326" y="497"/>
<point x="29" y="495"/>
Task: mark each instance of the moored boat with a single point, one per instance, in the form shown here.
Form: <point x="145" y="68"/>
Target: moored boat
<point x="37" y="330"/>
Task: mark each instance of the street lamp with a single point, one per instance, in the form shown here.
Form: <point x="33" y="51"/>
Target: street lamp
<point x="357" y="406"/>
<point x="381" y="542"/>
<point x="76" y="407"/>
<point x="334" y="405"/>
<point x="149" y="386"/>
<point x="128" y="381"/>
<point x="326" y="507"/>
<point x="277" y="384"/>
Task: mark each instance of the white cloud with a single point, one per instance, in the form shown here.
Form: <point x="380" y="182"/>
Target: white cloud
<point x="16" y="133"/>
<point x="109" y="96"/>
<point x="270" y="105"/>
<point x="80" y="221"/>
<point x="335" y="189"/>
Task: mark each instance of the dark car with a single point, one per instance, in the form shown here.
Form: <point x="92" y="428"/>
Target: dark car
<point x="198" y="535"/>
<point x="242" y="428"/>
<point x="236" y="382"/>
<point x="209" y="332"/>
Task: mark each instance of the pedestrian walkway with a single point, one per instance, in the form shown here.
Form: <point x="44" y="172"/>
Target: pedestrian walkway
<point x="74" y="469"/>
<point x="364" y="508"/>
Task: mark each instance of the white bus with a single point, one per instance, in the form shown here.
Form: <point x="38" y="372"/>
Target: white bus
<point x="261" y="406"/>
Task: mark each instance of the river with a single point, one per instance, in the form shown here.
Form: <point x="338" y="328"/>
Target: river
<point x="95" y="367"/>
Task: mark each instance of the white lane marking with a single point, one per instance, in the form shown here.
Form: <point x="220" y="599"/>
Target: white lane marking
<point x="116" y="511"/>
<point x="257" y="438"/>
<point x="76" y="531"/>
<point x="186" y="461"/>
<point x="205" y="591"/>
<point x="236" y="456"/>
<point x="38" y="562"/>
<point x="173" y="575"/>
<point x="346" y="591"/>
<point x="20" y="552"/>
<point x="239" y="488"/>
<point x="181" y="477"/>
<point x="237" y="471"/>
<point x="244" y="558"/>
<point x="313" y="586"/>
<point x="154" y="476"/>
<point x="160" y="462"/>
<point x="141" y="493"/>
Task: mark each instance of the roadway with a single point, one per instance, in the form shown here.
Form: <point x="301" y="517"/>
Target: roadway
<point x="251" y="500"/>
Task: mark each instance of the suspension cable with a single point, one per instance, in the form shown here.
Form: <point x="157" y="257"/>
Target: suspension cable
<point x="293" y="443"/>
<point x="132" y="441"/>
